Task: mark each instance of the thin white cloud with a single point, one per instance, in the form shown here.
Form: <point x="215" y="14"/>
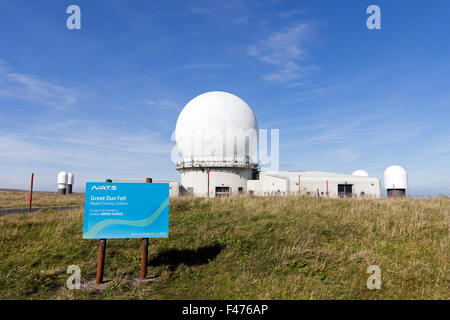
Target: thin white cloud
<point x="291" y="13"/>
<point x="311" y="91"/>
<point x="205" y="66"/>
<point x="216" y="8"/>
<point x="332" y="86"/>
<point x="88" y="147"/>
<point x="436" y="151"/>
<point x="348" y="155"/>
<point x="285" y="51"/>
<point x="164" y="104"/>
<point x="369" y="135"/>
<point x="91" y="150"/>
<point x="32" y="88"/>
<point x="357" y="131"/>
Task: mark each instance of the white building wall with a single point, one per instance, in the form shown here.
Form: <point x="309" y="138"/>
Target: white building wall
<point x="274" y="185"/>
<point x="197" y="179"/>
<point x="174" y="186"/>
<point x="313" y="183"/>
<point x="254" y="187"/>
<point x="269" y="185"/>
<point x="371" y="188"/>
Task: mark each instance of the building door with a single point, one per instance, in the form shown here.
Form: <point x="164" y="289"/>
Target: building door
<point x="222" y="191"/>
<point x="345" y="190"/>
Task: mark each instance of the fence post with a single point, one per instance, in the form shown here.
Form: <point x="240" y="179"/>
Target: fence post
<point x="31" y="192"/>
<point x="144" y="250"/>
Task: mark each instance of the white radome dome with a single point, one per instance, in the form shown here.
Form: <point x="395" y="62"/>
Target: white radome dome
<point x="69" y="178"/>
<point x="62" y="177"/>
<point x="395" y="177"/>
<point x="216" y="125"/>
<point x="360" y="173"/>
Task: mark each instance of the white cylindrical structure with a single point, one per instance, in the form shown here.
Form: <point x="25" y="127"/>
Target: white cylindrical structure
<point x="62" y="182"/>
<point x="360" y="173"/>
<point x="395" y="181"/>
<point x="216" y="135"/>
<point x="69" y="183"/>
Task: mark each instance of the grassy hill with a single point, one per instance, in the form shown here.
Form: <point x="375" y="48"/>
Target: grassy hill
<point x="242" y="248"/>
<point x="19" y="199"/>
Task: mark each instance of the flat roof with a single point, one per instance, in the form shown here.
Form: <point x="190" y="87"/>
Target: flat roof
<point x="312" y="174"/>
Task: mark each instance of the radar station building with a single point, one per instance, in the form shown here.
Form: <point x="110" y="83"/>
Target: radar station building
<point x="216" y="134"/>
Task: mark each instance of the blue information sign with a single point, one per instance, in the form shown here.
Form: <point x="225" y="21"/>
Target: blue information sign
<point x="126" y="210"/>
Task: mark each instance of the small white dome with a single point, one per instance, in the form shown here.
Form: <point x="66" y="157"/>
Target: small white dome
<point x="62" y="177"/>
<point x="216" y="126"/>
<point x="360" y="173"/>
<point x="395" y="177"/>
<point x="69" y="178"/>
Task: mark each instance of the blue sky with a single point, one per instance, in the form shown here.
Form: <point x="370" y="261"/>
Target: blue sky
<point x="103" y="101"/>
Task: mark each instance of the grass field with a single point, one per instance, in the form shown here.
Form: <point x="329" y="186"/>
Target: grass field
<point x="241" y="248"/>
<point x="19" y="199"/>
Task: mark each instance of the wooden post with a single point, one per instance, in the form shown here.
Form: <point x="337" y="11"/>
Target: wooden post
<point x="144" y="257"/>
<point x="31" y="193"/>
<point x="327" y="188"/>
<point x="298" y="184"/>
<point x="101" y="256"/>
<point x="100" y="261"/>
<point x="144" y="250"/>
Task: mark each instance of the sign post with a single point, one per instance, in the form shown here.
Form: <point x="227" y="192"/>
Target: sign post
<point x="31" y="193"/>
<point x="125" y="210"/>
<point x="101" y="256"/>
<point x="100" y="261"/>
<point x="144" y="256"/>
<point x="144" y="250"/>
